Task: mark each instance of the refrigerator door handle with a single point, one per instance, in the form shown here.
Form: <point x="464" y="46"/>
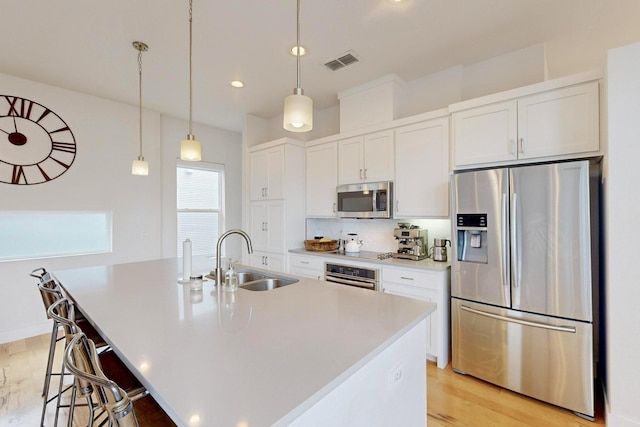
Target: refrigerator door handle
<point x="515" y="260"/>
<point x="569" y="329"/>
<point x="505" y="215"/>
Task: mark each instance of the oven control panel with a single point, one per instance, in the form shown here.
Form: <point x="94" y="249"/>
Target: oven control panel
<point x="345" y="270"/>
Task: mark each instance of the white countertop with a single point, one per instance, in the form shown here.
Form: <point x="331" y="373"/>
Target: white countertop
<point x="241" y="359"/>
<point x="425" y="264"/>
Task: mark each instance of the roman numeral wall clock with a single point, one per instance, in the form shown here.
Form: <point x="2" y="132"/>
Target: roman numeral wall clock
<point x="36" y="145"/>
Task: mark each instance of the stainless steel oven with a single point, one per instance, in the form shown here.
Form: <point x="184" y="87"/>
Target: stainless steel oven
<point x="361" y="277"/>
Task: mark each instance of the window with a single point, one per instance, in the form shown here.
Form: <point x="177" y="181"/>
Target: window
<point x="32" y="234"/>
<point x="200" y="206"/>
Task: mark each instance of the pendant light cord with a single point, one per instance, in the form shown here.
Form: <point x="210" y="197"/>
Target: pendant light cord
<point x="190" y="65"/>
<point x="298" y="45"/>
<point x="140" y="95"/>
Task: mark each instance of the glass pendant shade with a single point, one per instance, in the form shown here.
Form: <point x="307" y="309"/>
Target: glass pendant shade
<point x="140" y="167"/>
<point x="298" y="112"/>
<point x="190" y="149"/>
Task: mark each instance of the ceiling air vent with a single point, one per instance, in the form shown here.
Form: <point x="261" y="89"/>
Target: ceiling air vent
<point x="346" y="59"/>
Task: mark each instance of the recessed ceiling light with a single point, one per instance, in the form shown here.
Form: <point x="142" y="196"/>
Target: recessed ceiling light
<point x="294" y="51"/>
<point x="236" y="83"/>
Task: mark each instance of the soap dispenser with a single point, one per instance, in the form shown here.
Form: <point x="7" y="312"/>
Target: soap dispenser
<point x="230" y="278"/>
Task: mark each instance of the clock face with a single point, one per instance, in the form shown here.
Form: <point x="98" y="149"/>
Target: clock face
<point x="36" y="145"/>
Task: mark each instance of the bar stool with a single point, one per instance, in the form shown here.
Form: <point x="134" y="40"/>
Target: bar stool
<point x="51" y="291"/>
<point x="63" y="312"/>
<point x="122" y="409"/>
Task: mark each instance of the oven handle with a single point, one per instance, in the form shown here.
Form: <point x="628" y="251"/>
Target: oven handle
<point x="359" y="284"/>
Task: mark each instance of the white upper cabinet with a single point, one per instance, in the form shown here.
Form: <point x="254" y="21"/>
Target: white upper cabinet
<point x="366" y="158"/>
<point x="422" y="170"/>
<point x="322" y="179"/>
<point x="486" y="134"/>
<point x="563" y="122"/>
<point x="267" y="173"/>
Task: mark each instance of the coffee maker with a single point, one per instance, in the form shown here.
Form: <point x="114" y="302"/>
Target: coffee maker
<point x="412" y="242"/>
<point x="440" y="249"/>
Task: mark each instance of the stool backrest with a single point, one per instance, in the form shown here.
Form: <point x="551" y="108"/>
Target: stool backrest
<point x="81" y="358"/>
<point x="50" y="289"/>
<point x="63" y="312"/>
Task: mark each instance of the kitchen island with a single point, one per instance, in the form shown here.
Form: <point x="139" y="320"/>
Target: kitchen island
<point x="311" y="353"/>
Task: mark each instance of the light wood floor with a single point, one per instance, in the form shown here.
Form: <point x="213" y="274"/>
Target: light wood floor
<point x="452" y="399"/>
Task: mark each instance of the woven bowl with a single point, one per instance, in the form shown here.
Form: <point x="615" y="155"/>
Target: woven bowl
<point x="317" y="245"/>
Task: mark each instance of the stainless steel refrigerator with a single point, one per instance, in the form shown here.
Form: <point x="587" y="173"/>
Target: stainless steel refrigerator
<point x="524" y="279"/>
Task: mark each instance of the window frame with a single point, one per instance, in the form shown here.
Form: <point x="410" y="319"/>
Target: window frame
<point x="211" y="167"/>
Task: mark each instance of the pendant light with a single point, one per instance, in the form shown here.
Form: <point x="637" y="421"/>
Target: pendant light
<point x="140" y="166"/>
<point x="190" y="148"/>
<point x="298" y="108"/>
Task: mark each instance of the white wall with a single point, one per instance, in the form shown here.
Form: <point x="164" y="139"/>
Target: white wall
<point x="100" y="179"/>
<point x="511" y="70"/>
<point x="622" y="234"/>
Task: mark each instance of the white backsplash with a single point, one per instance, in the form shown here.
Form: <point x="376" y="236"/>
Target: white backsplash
<point x="376" y="234"/>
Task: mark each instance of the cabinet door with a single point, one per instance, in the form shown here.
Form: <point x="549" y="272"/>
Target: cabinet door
<point x="322" y="179"/>
<point x="258" y="221"/>
<point x="350" y="160"/>
<point x="485" y="134"/>
<point x="275" y="175"/>
<point x="379" y="157"/>
<point x="257" y="175"/>
<point x="267" y="226"/>
<point x="564" y="121"/>
<point x="275" y="227"/>
<point x="422" y="170"/>
<point x="423" y="294"/>
<point x="268" y="261"/>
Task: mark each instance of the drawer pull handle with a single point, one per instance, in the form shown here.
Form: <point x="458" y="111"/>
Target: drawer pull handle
<point x="304" y="262"/>
<point x="406" y="278"/>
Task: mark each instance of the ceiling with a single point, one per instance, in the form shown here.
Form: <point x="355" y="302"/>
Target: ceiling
<point x="86" y="45"/>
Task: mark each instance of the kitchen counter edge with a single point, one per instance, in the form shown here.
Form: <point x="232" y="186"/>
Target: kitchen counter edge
<point x="425" y="264"/>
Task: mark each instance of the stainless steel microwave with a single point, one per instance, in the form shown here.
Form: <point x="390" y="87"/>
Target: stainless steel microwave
<point x="369" y="200"/>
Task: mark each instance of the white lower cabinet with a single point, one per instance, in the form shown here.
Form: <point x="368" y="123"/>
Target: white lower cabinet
<point x="430" y="286"/>
<point x="306" y="266"/>
<point x="268" y="261"/>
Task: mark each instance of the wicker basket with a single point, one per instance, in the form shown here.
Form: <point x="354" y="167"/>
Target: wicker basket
<point x="317" y="245"/>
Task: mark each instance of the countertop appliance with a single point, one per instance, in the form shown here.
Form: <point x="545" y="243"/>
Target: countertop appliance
<point x="368" y="200"/>
<point x="352" y="244"/>
<point x="440" y="249"/>
<point x="412" y="243"/>
<point x="524" y="274"/>
<point x="361" y="277"/>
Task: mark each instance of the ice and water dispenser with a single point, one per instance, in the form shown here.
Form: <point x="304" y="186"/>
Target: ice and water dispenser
<point x="472" y="237"/>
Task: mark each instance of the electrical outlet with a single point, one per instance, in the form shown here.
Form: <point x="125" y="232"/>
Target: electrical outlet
<point x="395" y="376"/>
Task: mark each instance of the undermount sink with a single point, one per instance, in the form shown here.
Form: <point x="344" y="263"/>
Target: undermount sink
<point x="258" y="281"/>
<point x="267" y="284"/>
<point x="248" y="276"/>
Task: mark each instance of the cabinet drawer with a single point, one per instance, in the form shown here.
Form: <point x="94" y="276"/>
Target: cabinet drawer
<point x="310" y="262"/>
<point x="419" y="278"/>
<point x="411" y="291"/>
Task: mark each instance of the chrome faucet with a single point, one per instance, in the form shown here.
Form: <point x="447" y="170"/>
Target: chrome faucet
<point x="218" y="250"/>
